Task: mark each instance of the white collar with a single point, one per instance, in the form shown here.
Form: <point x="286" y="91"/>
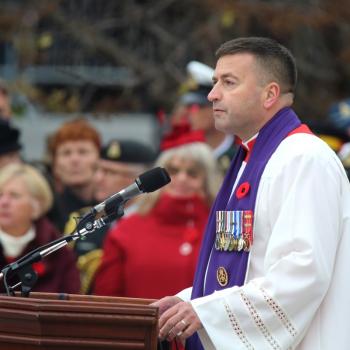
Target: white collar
<point x="12" y="245"/>
<point x="247" y="144"/>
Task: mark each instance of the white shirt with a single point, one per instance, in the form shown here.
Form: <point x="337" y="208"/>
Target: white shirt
<point x="297" y="291"/>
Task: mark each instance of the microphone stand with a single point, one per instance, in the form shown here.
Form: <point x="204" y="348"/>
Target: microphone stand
<point x="22" y="268"/>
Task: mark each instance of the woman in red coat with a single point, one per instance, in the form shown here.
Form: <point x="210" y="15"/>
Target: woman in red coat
<point x="153" y="253"/>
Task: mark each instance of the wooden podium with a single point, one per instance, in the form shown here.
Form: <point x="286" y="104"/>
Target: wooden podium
<point x="64" y="322"/>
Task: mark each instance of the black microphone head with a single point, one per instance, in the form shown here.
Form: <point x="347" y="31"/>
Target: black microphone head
<point x="153" y="179"/>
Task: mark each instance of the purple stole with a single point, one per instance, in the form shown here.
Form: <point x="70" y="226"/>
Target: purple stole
<point x="235" y="262"/>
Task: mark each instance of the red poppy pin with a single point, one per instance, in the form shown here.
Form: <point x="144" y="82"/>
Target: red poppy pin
<point x="242" y="190"/>
<point x="40" y="268"/>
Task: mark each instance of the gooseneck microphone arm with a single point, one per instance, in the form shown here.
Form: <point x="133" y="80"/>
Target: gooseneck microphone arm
<point x="111" y="209"/>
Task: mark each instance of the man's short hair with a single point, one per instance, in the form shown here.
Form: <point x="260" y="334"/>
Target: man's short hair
<point x="275" y="59"/>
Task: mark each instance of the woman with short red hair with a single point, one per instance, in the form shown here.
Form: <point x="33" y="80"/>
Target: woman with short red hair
<point x="74" y="151"/>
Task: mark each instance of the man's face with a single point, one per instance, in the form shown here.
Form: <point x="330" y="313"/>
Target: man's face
<point x="237" y="95"/>
<point x="111" y="177"/>
<point x="75" y="162"/>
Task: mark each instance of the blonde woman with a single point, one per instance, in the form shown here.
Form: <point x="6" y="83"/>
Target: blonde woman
<point x="25" y="198"/>
<point x="153" y="252"/>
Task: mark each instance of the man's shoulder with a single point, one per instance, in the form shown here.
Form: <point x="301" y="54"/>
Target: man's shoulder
<point x="305" y="145"/>
<point x="299" y="150"/>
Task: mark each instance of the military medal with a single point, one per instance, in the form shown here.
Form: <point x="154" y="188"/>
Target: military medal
<point x="226" y="220"/>
<point x="240" y="244"/>
<point x="217" y="242"/>
<point x="220" y="230"/>
<point x="227" y="230"/>
<point x="222" y="241"/>
<point x="235" y="244"/>
<point x="234" y="230"/>
<point x="222" y="276"/>
<point x="231" y="245"/>
<point x="248" y="229"/>
<point x="217" y="231"/>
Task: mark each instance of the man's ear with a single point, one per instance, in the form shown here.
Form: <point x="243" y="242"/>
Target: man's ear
<point x="271" y="94"/>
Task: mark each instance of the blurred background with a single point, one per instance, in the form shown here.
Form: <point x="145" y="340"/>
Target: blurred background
<point x="122" y="64"/>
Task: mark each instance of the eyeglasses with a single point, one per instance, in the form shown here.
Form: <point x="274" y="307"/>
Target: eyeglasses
<point x="190" y="172"/>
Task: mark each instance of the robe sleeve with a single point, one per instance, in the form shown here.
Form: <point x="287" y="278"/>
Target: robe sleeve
<point x="302" y="197"/>
<point x="185" y="294"/>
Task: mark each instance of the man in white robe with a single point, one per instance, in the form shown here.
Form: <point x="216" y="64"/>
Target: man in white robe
<point x="296" y="289"/>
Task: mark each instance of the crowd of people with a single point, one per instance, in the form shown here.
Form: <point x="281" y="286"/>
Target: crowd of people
<point x="81" y="172"/>
<point x="244" y="248"/>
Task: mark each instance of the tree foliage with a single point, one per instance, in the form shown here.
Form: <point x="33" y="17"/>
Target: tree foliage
<point x="154" y="40"/>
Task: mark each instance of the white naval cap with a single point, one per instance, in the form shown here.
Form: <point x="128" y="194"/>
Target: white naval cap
<point x="199" y="84"/>
<point x="200" y="73"/>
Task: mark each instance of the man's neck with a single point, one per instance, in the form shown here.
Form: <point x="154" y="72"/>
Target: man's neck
<point x="268" y="115"/>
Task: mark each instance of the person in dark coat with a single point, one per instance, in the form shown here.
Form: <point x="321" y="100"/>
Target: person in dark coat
<point x="25" y="197"/>
<point x="120" y="163"/>
<point x="74" y="150"/>
<point x="199" y="113"/>
<point x="10" y="146"/>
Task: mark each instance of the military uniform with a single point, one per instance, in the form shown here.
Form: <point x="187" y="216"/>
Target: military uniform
<point x="89" y="248"/>
<point x="198" y="87"/>
<point x="225" y="154"/>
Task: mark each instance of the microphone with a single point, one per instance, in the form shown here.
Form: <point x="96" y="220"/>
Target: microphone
<point x="149" y="181"/>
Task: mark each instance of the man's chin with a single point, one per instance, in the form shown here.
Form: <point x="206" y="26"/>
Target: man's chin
<point x="220" y="126"/>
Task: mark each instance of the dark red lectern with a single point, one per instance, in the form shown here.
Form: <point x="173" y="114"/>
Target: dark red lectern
<point x="64" y="322"/>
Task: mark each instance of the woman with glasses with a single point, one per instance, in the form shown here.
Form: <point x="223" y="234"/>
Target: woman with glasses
<point x="153" y="253"/>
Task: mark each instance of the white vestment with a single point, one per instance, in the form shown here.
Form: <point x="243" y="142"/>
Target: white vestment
<point x="297" y="289"/>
